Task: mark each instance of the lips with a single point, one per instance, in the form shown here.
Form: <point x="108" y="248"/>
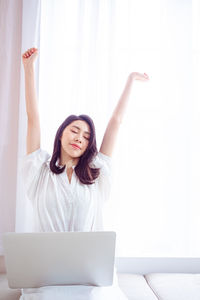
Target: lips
<point x="75" y="146"/>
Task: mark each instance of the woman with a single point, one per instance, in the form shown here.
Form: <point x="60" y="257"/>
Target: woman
<point x="68" y="189"/>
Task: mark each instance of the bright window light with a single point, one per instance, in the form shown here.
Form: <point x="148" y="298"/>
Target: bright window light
<point x="88" y="49"/>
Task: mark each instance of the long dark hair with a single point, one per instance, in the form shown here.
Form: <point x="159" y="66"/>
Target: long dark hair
<point x="85" y="173"/>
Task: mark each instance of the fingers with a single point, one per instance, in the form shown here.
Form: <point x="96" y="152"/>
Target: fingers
<point x="146" y="76"/>
<point x="139" y="76"/>
<point x="29" y="52"/>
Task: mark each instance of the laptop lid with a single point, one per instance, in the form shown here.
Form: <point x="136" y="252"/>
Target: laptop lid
<point x="59" y="258"/>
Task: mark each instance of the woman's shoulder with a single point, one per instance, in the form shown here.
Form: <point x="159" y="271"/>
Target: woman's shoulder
<point x="33" y="168"/>
<point x="38" y="153"/>
<point x="34" y="159"/>
<point x="101" y="159"/>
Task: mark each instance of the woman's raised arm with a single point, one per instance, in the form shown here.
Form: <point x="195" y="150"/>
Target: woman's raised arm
<point x="33" y="129"/>
<point x="112" y="129"/>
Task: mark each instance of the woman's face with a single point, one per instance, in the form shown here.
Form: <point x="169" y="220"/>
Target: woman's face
<point x="75" y="138"/>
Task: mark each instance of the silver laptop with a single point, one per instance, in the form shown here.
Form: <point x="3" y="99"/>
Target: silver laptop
<point x="59" y="258"/>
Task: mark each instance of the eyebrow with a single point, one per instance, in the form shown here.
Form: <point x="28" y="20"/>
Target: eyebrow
<point x="79" y="129"/>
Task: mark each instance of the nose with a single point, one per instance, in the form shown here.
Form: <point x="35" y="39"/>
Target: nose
<point x="78" y="139"/>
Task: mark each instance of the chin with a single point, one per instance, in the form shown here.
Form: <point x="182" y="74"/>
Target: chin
<point x="74" y="155"/>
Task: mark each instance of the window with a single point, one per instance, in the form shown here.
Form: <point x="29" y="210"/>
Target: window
<point x="88" y="48"/>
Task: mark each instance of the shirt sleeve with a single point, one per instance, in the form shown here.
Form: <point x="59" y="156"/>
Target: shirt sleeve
<point x="104" y="180"/>
<point x="31" y="166"/>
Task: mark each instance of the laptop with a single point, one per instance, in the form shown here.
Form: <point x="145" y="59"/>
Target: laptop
<point x="59" y="258"/>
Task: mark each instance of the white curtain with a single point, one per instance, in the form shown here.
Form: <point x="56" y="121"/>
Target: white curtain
<point x="30" y="36"/>
<point x="10" y="50"/>
<point x="88" y="48"/>
<point x="19" y="29"/>
<point x="86" y="51"/>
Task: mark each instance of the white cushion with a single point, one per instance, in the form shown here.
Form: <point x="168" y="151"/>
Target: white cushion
<point x="175" y="286"/>
<point x="165" y="286"/>
<point x="135" y="287"/>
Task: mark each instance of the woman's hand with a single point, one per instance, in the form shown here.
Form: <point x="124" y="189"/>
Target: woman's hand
<point x="139" y="76"/>
<point x="28" y="58"/>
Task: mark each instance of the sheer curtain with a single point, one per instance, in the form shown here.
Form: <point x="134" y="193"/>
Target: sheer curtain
<point x="30" y="36"/>
<point x="19" y="29"/>
<point x="86" y="51"/>
<point x="88" y="48"/>
<point x="10" y="37"/>
<point x="195" y="136"/>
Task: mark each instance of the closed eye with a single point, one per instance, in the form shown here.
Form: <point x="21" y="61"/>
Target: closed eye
<point x="77" y="132"/>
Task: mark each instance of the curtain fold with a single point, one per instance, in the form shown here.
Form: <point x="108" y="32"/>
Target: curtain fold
<point x="93" y="47"/>
<point x="19" y="30"/>
<point x="30" y="38"/>
<point x="10" y="58"/>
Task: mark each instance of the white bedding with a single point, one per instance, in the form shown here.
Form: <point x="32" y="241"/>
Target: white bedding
<point x="75" y="292"/>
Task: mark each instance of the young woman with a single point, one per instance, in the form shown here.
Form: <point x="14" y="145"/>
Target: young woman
<point x="68" y="189"/>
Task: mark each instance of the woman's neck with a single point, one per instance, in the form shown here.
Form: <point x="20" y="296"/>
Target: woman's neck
<point x="67" y="160"/>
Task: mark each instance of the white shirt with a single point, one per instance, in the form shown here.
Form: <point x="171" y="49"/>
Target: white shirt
<point x="62" y="206"/>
